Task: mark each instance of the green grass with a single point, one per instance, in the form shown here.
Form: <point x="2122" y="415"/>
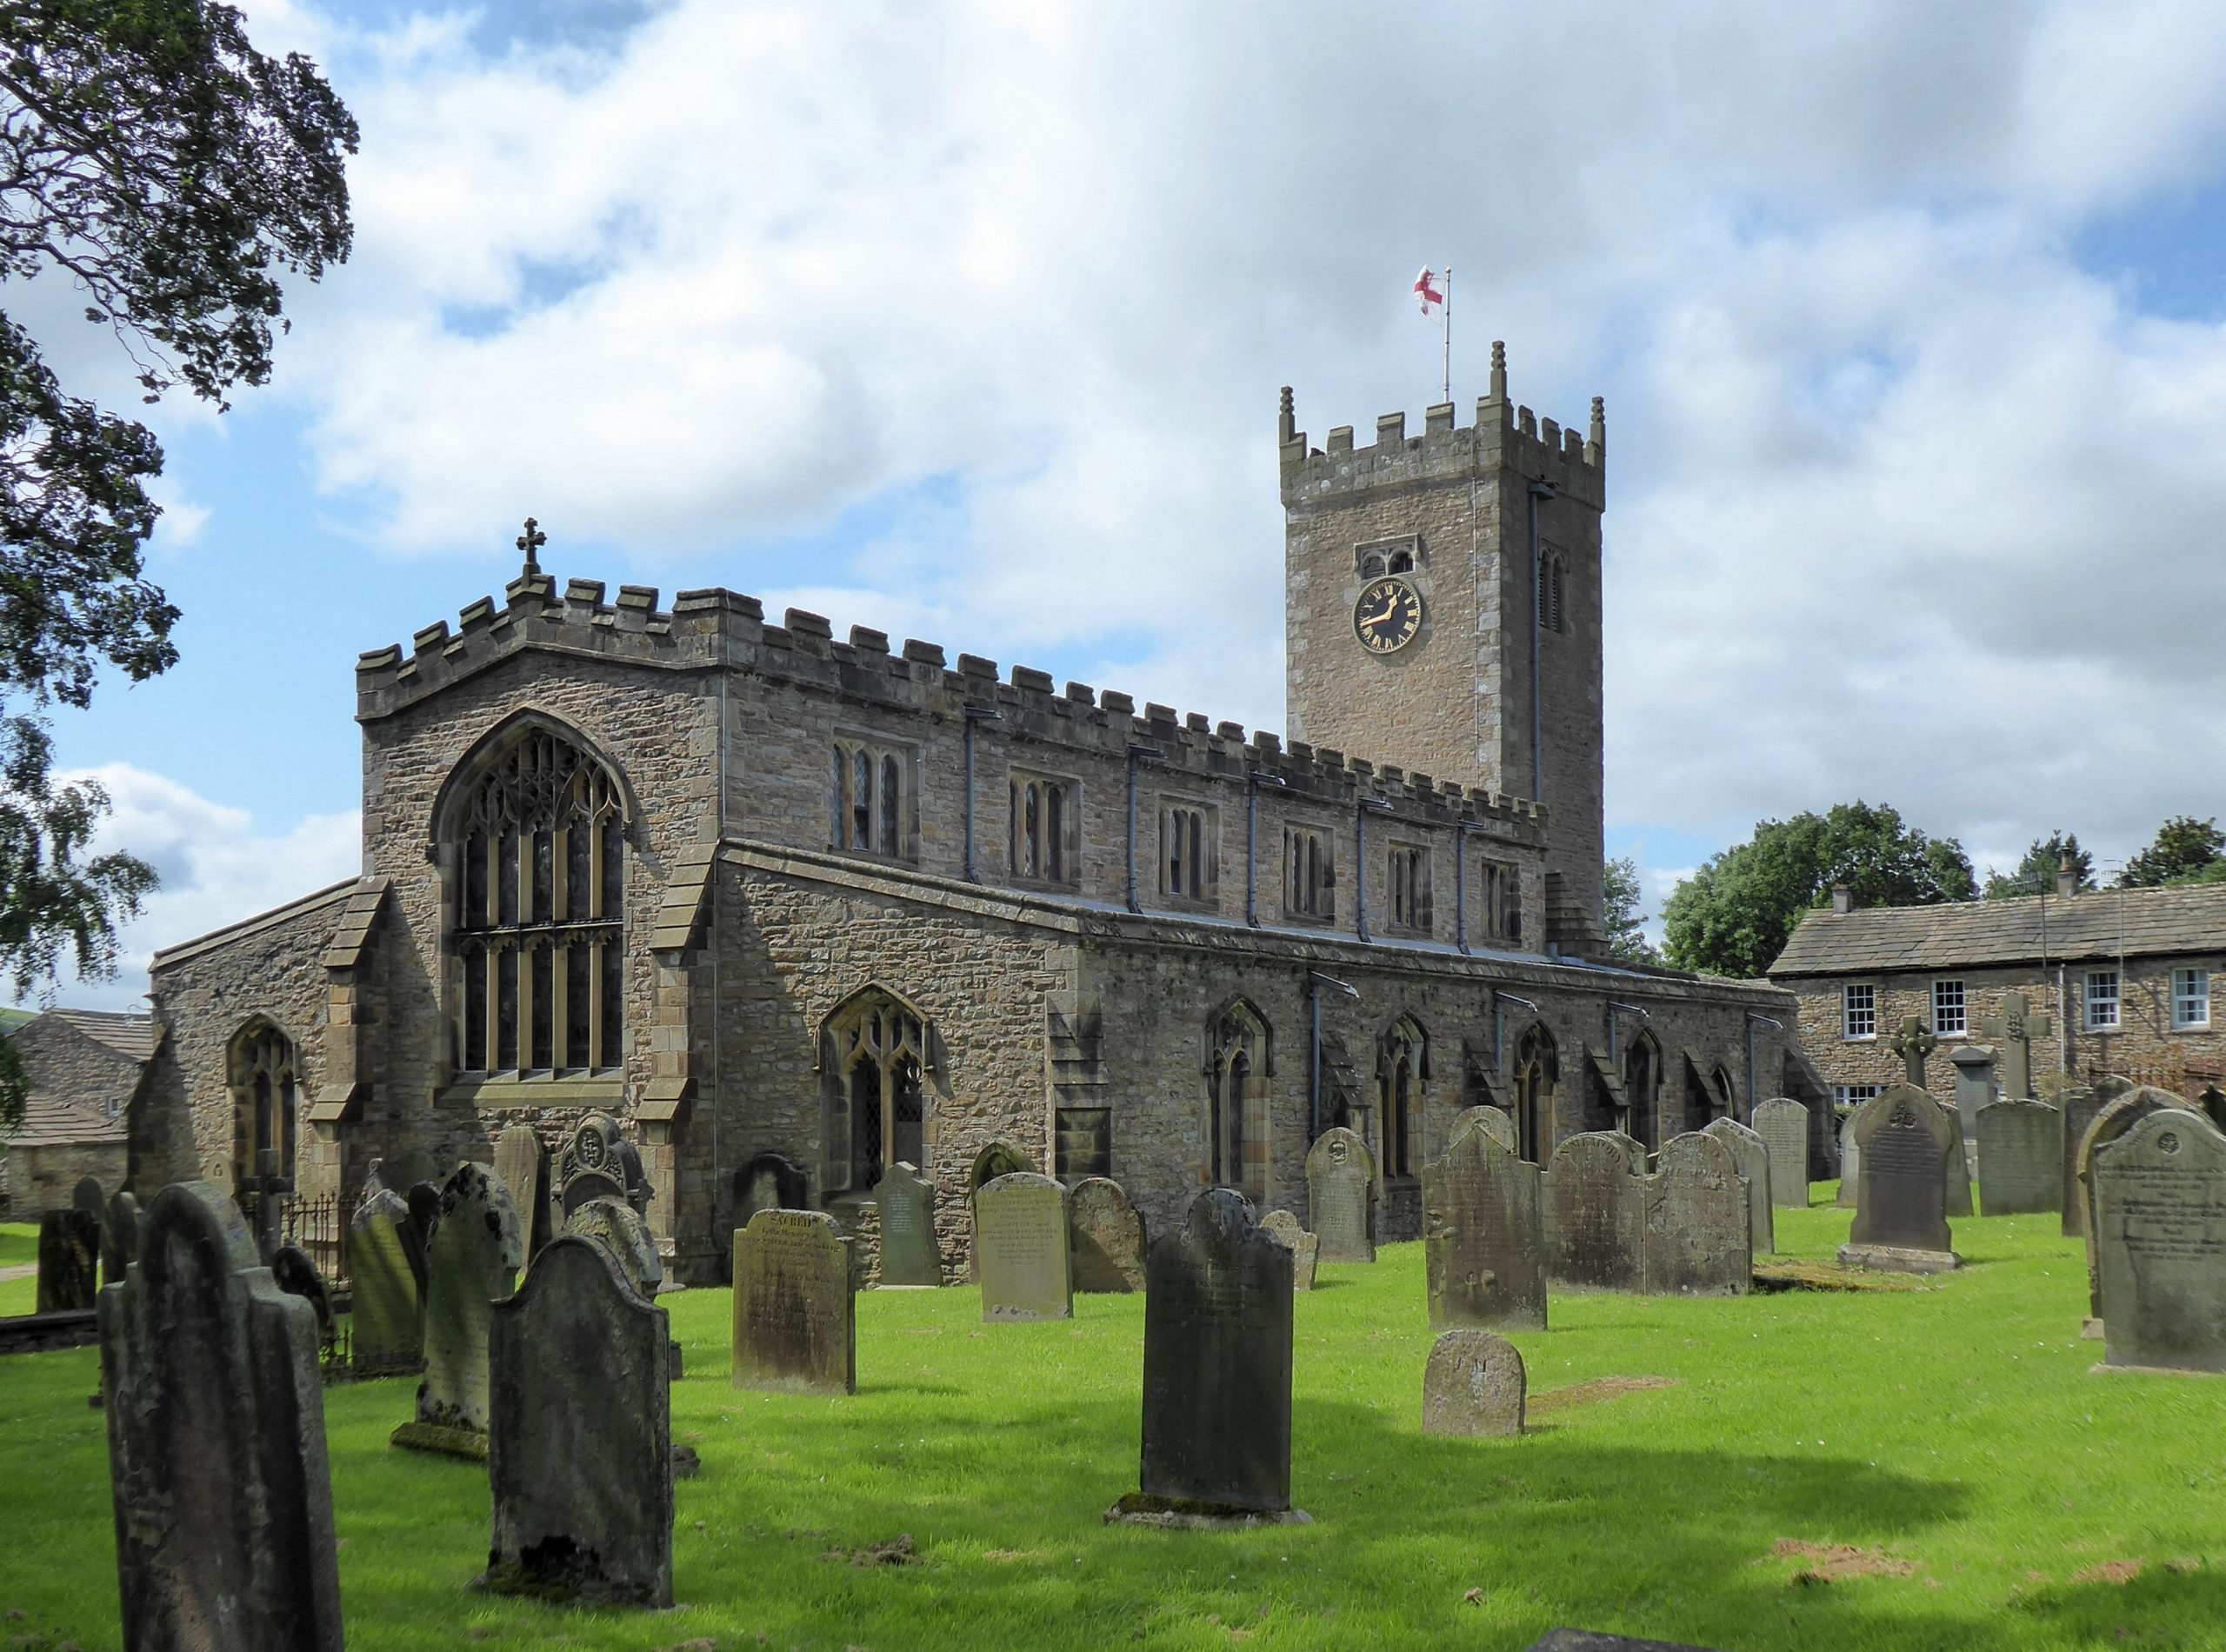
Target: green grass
<point x="1956" y="1427"/>
<point x="18" y="1243"/>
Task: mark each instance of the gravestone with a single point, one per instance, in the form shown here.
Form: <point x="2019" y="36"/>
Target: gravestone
<point x="580" y="1435"/>
<point x="619" y="1228"/>
<point x="1782" y="1124"/>
<point x="2120" y="1114"/>
<point x="87" y="1197"/>
<point x="1697" y="1222"/>
<point x="795" y="1311"/>
<point x="293" y="1272"/>
<point x="2021" y="1158"/>
<point x="215" y="1437"/>
<point x="1497" y="1120"/>
<point x="598" y="1162"/>
<point x="1473" y="1385"/>
<point x="1218" y="1363"/>
<point x="2160" y="1225"/>
<point x="910" y="1254"/>
<point x="69" y="1261"/>
<point x="2014" y="1028"/>
<point x="999" y="1158"/>
<point x="1850" y="1163"/>
<point x="119" y="1236"/>
<point x="770" y="1181"/>
<point x="1956" y="1186"/>
<point x="2081" y="1105"/>
<point x="1019" y="1237"/>
<point x="1752" y="1155"/>
<point x="1106" y="1237"/>
<point x="1305" y="1247"/>
<point x="472" y="1264"/>
<point x="1483" y="1237"/>
<point x="522" y="1163"/>
<point x="1594" y="1212"/>
<point x="387" y="1279"/>
<point x="1975" y="1088"/>
<point x="1904" y="1139"/>
<point x="408" y="1168"/>
<point x="424" y="1199"/>
<point x="1341" y="1196"/>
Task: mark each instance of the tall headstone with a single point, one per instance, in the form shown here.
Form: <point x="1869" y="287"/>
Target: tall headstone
<point x="1594" y="1208"/>
<point x="87" y="1197"/>
<point x="424" y="1199"/>
<point x="1850" y="1163"/>
<point x="1105" y="1236"/>
<point x="216" y="1437"/>
<point x="795" y="1311"/>
<point x="2119" y="1115"/>
<point x="1904" y="1138"/>
<point x="293" y="1272"/>
<point x="999" y="1158"/>
<point x="910" y="1254"/>
<point x="1782" y="1124"/>
<point x="1341" y="1196"/>
<point x="386" y="1267"/>
<point x="1496" y="1120"/>
<point x="1473" y="1384"/>
<point x="1305" y="1248"/>
<point x="2081" y="1104"/>
<point x="1752" y="1155"/>
<point x="1913" y="1042"/>
<point x="1019" y="1237"/>
<point x="2014" y="1028"/>
<point x="1975" y="1088"/>
<point x="1218" y="1362"/>
<point x="120" y="1230"/>
<point x="472" y="1264"/>
<point x="599" y="1163"/>
<point x="621" y="1229"/>
<point x="770" y="1181"/>
<point x="69" y="1261"/>
<point x="1483" y="1237"/>
<point x="2160" y="1224"/>
<point x="580" y="1435"/>
<point x="1697" y="1235"/>
<point x="2021" y="1158"/>
<point x="1955" y="1172"/>
<point x="522" y="1163"/>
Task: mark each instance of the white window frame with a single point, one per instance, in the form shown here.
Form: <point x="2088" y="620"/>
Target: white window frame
<point x="1942" y="1009"/>
<point x="1868" y="1005"/>
<point x="1854" y="1096"/>
<point x="2099" y="1004"/>
<point x="2190" y="1000"/>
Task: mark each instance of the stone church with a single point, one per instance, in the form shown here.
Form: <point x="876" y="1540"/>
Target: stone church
<point x="797" y="907"/>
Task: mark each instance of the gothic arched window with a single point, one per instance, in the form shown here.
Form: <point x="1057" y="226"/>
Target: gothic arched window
<point x="539" y="839"/>
<point x="1237" y="1098"/>
<point x="266" y="1098"/>
<point x="876" y="1058"/>
<point x="1403" y="1067"/>
<point x="1537" y="1069"/>
<point x="1643" y="1090"/>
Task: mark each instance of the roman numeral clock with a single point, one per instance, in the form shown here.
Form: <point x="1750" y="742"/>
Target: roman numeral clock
<point x="1387" y="615"/>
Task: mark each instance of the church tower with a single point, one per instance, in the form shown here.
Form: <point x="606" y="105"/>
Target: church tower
<point x="1442" y="613"/>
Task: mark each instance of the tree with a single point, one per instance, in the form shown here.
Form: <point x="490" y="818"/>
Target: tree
<point x="2035" y="874"/>
<point x="1626" y="924"/>
<point x="2187" y="850"/>
<point x="152" y="158"/>
<point x="1734" y="916"/>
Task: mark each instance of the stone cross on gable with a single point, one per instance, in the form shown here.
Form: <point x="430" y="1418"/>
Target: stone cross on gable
<point x="529" y="542"/>
<point x="2014" y="1029"/>
<point x="1913" y="1043"/>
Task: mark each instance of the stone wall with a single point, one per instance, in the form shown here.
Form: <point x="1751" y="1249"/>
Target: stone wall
<point x="43" y="1178"/>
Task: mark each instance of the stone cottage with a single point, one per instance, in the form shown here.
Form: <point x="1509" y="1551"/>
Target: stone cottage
<point x="85" y="1066"/>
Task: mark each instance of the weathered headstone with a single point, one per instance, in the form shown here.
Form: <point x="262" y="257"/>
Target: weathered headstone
<point x="580" y="1435"/>
<point x="1752" y="1155"/>
<point x="1697" y="1238"/>
<point x="2119" y="1115"/>
<point x="795" y="1312"/>
<point x="120" y="1228"/>
<point x="87" y="1197"/>
<point x="1782" y="1124"/>
<point x="1106" y="1236"/>
<point x="1305" y="1248"/>
<point x="1496" y="1120"/>
<point x="910" y="1254"/>
<point x="1850" y="1163"/>
<point x="472" y="1264"/>
<point x="2021" y="1158"/>
<point x="1473" y="1384"/>
<point x="293" y="1272"/>
<point x="2160" y="1224"/>
<point x="1975" y="1088"/>
<point x="2081" y="1104"/>
<point x="69" y="1261"/>
<point x="619" y="1228"/>
<point x="215" y="1433"/>
<point x="522" y="1163"/>
<point x="999" y="1158"/>
<point x="1019" y="1237"/>
<point x="1341" y="1196"/>
<point x="386" y="1270"/>
<point x="1594" y="1208"/>
<point x="1955" y="1172"/>
<point x="599" y="1163"/>
<point x="1217" y="1364"/>
<point x="2013" y="1028"/>
<point x="1904" y="1138"/>
<point x="1483" y="1237"/>
<point x="424" y="1199"/>
<point x="770" y="1181"/>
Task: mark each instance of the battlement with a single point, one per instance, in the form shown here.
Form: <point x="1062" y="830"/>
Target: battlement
<point x="1504" y="436"/>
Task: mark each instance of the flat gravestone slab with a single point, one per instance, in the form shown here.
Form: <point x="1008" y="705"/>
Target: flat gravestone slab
<point x="910" y="1252"/>
<point x="1105" y="1235"/>
<point x="216" y="1449"/>
<point x="1496" y="1120"/>
<point x="1696" y="1222"/>
<point x="69" y="1261"/>
<point x="1595" y="1215"/>
<point x="1341" y="1196"/>
<point x="2160" y="1221"/>
<point x="1752" y="1155"/>
<point x="1483" y="1237"/>
<point x="1020" y="1245"/>
<point x="1904" y="1138"/>
<point x="1305" y="1248"/>
<point x="1473" y="1384"/>
<point x="472" y="1264"/>
<point x="386" y="1269"/>
<point x="2124" y="1109"/>
<point x="1782" y="1124"/>
<point x="1217" y="1361"/>
<point x="795" y="1311"/>
<point x="522" y="1162"/>
<point x="2021" y="1158"/>
<point x="617" y="1226"/>
<point x="580" y="1435"/>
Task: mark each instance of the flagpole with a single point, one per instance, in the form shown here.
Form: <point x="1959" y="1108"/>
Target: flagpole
<point x="1448" y="333"/>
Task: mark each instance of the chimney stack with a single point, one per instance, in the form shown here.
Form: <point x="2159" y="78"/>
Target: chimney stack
<point x="1842" y="899"/>
<point x="2067" y="877"/>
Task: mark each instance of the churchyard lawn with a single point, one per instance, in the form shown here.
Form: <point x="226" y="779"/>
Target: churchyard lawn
<point x="18" y="1248"/>
<point x="1925" y="1467"/>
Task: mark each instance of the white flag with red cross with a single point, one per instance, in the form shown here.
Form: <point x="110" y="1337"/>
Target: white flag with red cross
<point x="1430" y="290"/>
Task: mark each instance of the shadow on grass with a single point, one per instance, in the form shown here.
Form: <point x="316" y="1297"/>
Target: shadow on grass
<point x="2160" y="1608"/>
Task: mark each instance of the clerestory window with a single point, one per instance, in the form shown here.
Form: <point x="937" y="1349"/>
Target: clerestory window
<point x="870" y="799"/>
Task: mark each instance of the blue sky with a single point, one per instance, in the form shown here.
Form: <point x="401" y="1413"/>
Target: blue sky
<point x="967" y="321"/>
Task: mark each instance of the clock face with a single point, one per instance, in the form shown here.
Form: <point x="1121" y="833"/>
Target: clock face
<point x="1387" y="616"/>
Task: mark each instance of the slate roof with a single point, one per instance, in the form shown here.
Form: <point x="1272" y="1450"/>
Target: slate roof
<point x="129" y="1036"/>
<point x="1882" y="940"/>
<point x="59" y="1124"/>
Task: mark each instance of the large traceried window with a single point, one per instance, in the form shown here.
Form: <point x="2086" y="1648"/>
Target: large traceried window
<point x="266" y="1098"/>
<point x="877" y="1062"/>
<point x="540" y="842"/>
